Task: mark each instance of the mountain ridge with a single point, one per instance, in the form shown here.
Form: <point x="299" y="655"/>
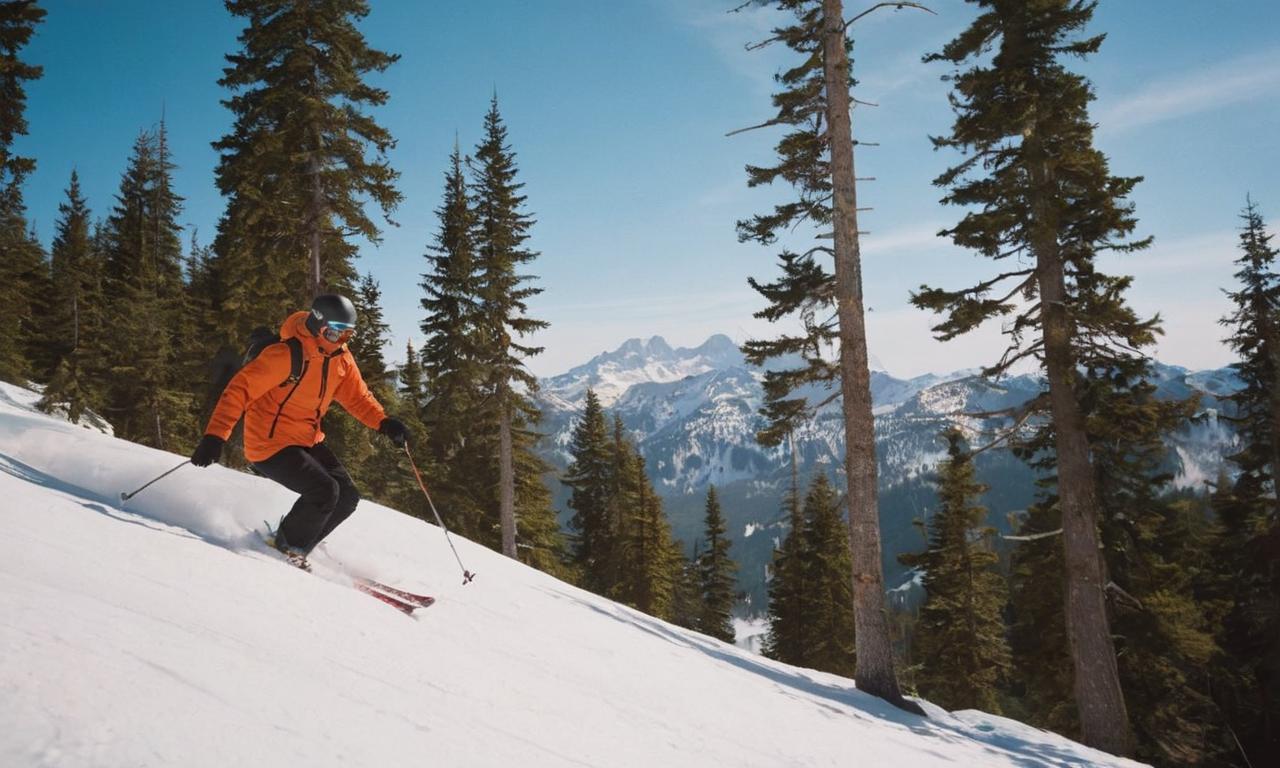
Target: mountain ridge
<point x="694" y="416"/>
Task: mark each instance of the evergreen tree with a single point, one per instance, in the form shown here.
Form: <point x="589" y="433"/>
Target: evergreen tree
<point x="23" y="269"/>
<point x="302" y="157"/>
<point x="687" y="608"/>
<point x="1255" y="337"/>
<point x="716" y="575"/>
<point x="960" y="636"/>
<point x="828" y="623"/>
<point x="412" y="387"/>
<point x="1155" y="552"/>
<point x="541" y="543"/>
<point x="145" y="398"/>
<point x="500" y="235"/>
<point x="592" y="482"/>
<point x="787" y="593"/>
<point x="74" y="310"/>
<point x="1247" y="549"/>
<point x="452" y="378"/>
<point x="1036" y="188"/>
<point x="652" y="556"/>
<point x="1042" y="677"/>
<point x="374" y="462"/>
<point x="816" y="157"/>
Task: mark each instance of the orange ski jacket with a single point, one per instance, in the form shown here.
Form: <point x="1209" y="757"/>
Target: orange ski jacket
<point x="279" y="415"/>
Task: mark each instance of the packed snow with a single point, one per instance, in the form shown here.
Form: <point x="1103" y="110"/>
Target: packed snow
<point x="160" y="632"/>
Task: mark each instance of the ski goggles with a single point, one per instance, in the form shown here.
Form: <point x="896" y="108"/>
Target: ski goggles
<point x="335" y="332"/>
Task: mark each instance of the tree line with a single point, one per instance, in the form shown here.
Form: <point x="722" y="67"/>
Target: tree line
<point x="1139" y="620"/>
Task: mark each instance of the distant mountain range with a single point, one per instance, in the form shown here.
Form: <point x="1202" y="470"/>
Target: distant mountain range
<point x="694" y="414"/>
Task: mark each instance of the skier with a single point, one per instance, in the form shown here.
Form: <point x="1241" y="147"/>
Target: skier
<point x="282" y="436"/>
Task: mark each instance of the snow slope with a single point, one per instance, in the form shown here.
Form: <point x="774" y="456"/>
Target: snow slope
<point x="157" y="633"/>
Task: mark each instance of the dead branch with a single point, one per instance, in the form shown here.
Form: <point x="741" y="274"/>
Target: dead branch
<point x="766" y="124"/>
<point x="1032" y="536"/>
<point x="1123" y="596"/>
<point x="896" y="5"/>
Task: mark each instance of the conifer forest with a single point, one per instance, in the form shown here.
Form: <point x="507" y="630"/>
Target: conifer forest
<point x="1136" y="614"/>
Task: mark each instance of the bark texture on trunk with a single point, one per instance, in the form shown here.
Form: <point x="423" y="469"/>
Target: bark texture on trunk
<point x="1104" y="721"/>
<point x="875" y="669"/>
<point x="506" y="482"/>
<point x="317" y="215"/>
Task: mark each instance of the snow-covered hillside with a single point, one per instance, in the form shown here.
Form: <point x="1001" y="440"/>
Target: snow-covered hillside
<point x="159" y="633"/>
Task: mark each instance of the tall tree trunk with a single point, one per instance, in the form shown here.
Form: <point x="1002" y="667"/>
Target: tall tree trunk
<point x="317" y="216"/>
<point x="874" y="648"/>
<point x="1104" y="721"/>
<point x="506" y="480"/>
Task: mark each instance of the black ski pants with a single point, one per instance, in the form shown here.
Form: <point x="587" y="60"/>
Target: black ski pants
<point x="327" y="494"/>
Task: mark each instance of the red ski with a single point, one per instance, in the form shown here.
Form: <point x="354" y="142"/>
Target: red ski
<point x="369" y="586"/>
<point x="399" y="605"/>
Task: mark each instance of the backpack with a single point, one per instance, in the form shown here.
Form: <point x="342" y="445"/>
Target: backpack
<point x="227" y="362"/>
<point x="260" y="338"/>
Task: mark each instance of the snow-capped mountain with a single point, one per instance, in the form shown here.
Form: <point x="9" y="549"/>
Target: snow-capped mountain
<point x="694" y="414"/>
<point x="611" y="374"/>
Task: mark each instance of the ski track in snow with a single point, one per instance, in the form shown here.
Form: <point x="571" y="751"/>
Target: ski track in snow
<point x="159" y="633"/>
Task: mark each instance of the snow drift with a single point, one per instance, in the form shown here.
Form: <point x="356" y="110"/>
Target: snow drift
<point x="158" y="633"/>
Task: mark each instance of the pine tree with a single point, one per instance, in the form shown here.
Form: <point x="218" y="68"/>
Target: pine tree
<point x="412" y="387"/>
<point x="787" y="593"/>
<point x="500" y="234"/>
<point x="302" y="157"/>
<point x="687" y="607"/>
<point x="716" y="575"/>
<point x="75" y="306"/>
<point x="960" y="635"/>
<point x="1248" y="543"/>
<point x="828" y="623"/>
<point x="452" y="377"/>
<point x="1255" y="337"/>
<point x="23" y="269"/>
<point x="816" y="157"/>
<point x="1155" y="552"/>
<point x="1036" y="188"/>
<point x="591" y="478"/>
<point x="652" y="556"/>
<point x="145" y="399"/>
<point x="376" y="465"/>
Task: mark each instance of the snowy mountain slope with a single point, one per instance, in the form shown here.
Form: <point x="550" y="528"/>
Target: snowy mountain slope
<point x="158" y="634"/>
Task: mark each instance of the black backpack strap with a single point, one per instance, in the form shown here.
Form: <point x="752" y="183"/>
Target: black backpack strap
<point x="295" y="360"/>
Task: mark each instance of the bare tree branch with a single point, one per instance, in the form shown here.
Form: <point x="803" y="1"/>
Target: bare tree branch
<point x="1032" y="536"/>
<point x="765" y="124"/>
<point x="896" y="5"/>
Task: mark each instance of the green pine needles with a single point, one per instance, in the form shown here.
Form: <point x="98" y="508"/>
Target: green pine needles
<point x="810" y="595"/>
<point x="960" y="635"/>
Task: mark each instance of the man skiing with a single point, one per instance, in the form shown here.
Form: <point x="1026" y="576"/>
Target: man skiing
<point x="282" y="435"/>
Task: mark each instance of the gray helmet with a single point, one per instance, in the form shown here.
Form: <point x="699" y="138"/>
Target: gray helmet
<point x="333" y="310"/>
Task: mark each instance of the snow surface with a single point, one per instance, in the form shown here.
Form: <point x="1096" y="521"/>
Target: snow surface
<point x="159" y="633"/>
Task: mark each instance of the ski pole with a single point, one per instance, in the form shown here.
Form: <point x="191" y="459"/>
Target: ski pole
<point x="467" y="576"/>
<point x="126" y="496"/>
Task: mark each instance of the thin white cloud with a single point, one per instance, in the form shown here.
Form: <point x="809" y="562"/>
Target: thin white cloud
<point x="729" y="33"/>
<point x="1244" y="78"/>
<point x="916" y="238"/>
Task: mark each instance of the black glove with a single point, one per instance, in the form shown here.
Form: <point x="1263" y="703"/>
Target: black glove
<point x="396" y="430"/>
<point x="207" y="451"/>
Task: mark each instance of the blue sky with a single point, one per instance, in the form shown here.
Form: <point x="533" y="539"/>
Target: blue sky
<point x="618" y="113"/>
